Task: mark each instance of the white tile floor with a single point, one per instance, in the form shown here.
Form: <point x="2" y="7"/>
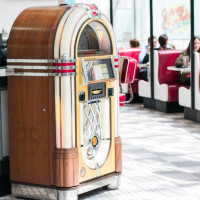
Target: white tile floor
<point x="161" y="157"/>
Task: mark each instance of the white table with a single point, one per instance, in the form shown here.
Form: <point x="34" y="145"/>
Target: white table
<point x="182" y="70"/>
<point x="143" y="66"/>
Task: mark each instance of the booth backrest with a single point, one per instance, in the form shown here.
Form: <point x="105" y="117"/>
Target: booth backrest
<point x="167" y="58"/>
<point x="130" y="52"/>
<point x="127" y="70"/>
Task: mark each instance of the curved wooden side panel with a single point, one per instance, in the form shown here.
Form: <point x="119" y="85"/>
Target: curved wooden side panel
<point x="118" y="154"/>
<point x="31" y="99"/>
<point x="67" y="167"/>
<point x="33" y="33"/>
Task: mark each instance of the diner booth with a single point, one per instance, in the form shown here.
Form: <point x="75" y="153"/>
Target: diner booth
<point x="166" y="83"/>
<point x="63" y="102"/>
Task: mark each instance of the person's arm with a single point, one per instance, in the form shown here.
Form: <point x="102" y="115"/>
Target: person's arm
<point x="142" y="54"/>
<point x="146" y="59"/>
<point x="179" y="61"/>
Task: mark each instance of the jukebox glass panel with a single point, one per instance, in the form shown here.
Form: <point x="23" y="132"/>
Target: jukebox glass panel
<point x="94" y="40"/>
<point x="95" y="70"/>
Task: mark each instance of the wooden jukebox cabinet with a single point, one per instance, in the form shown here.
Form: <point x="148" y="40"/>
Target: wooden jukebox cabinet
<point x="63" y="102"/>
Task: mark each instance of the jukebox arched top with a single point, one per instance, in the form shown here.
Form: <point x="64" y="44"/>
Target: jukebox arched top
<point x="94" y="40"/>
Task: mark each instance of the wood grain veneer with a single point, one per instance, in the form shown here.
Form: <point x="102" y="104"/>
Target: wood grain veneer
<point x="33" y="33"/>
<point x="118" y="154"/>
<point x="67" y="167"/>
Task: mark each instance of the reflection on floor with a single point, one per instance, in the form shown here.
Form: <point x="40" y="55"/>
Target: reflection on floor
<point x="161" y="157"/>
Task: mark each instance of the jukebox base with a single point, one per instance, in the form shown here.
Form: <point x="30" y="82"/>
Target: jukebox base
<point x="112" y="181"/>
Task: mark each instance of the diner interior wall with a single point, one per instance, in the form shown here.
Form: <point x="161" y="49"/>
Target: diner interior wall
<point x="123" y="21"/>
<point x="171" y="17"/>
<point x="10" y="9"/>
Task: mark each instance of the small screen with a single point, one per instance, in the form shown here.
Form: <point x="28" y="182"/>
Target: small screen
<point x="95" y="70"/>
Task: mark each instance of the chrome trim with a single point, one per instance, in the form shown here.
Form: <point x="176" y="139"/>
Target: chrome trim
<point x="43" y="74"/>
<point x="6" y="72"/>
<point x="84" y="71"/>
<point x="67" y="195"/>
<point x="30" y="61"/>
<point x="40" y="67"/>
<point x="43" y="193"/>
<point x="97" y="169"/>
<point x="114" y="69"/>
<point x="117" y="56"/>
<point x="130" y="90"/>
<point x="65" y="58"/>
<point x="115" y="184"/>
<point x="89" y="10"/>
<point x="62" y="59"/>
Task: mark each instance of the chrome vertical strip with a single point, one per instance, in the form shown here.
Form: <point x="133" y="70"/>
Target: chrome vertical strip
<point x="72" y="120"/>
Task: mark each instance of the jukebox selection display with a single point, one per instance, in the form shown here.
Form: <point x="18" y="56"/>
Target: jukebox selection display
<point x="95" y="70"/>
<point x="63" y="101"/>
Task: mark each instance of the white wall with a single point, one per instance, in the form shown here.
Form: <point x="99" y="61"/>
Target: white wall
<point x="10" y="9"/>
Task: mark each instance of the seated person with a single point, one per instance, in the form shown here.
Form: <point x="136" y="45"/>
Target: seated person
<point x="163" y="41"/>
<point x="146" y="48"/>
<point x="134" y="43"/>
<point x="184" y="78"/>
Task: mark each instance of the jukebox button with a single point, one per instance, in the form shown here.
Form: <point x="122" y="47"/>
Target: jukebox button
<point x="110" y="92"/>
<point x="81" y="96"/>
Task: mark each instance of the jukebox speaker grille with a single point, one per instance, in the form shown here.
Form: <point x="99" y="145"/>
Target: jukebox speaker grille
<point x="95" y="138"/>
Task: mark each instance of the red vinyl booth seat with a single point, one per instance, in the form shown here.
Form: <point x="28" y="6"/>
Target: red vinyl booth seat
<point x="164" y="76"/>
<point x="127" y="71"/>
<point x="127" y="74"/>
<point x="130" y="52"/>
<point x="133" y="53"/>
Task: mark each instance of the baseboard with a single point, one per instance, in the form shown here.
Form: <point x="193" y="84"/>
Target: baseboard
<point x="168" y="107"/>
<point x="190" y="114"/>
<point x="149" y="103"/>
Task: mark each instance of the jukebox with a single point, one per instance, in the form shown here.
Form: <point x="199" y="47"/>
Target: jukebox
<point x="63" y="102"/>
